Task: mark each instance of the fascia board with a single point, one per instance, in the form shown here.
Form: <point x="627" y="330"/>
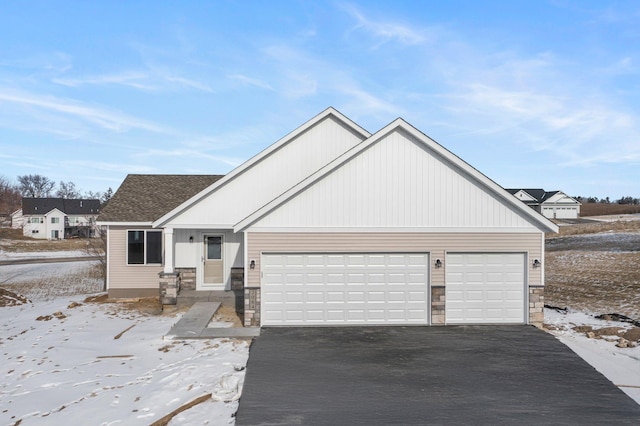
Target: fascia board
<point x="259" y="157"/>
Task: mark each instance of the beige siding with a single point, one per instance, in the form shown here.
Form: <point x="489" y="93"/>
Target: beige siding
<point x="397" y="182"/>
<point x="123" y="276"/>
<point x="437" y="244"/>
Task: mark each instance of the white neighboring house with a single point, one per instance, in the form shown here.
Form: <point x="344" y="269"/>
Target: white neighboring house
<point x="551" y="204"/>
<point x="57" y="218"/>
<point x="17" y="219"/>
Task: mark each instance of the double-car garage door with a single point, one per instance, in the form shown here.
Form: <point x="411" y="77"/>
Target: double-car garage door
<point x="388" y="288"/>
<point x="344" y="288"/>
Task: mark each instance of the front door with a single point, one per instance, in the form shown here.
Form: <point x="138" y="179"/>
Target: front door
<point x="213" y="261"/>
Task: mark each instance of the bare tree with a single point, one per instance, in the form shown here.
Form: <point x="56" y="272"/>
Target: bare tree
<point x="67" y="190"/>
<point x="9" y="196"/>
<point x="106" y="196"/>
<point x="97" y="247"/>
<point x="90" y="195"/>
<point x="35" y="186"/>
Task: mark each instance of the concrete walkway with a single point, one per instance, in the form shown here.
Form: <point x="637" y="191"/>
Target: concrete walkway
<point x="193" y="325"/>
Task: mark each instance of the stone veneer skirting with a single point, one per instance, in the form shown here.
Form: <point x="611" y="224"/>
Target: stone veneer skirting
<point x="437" y="305"/>
<point x="536" y="305"/>
<point x="252" y="307"/>
<point x="187" y="278"/>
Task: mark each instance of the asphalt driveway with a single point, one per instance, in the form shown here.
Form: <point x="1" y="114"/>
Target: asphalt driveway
<point x="469" y="375"/>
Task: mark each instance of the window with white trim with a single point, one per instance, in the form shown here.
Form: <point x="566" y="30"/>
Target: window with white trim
<point x="144" y="247"/>
<point x="55" y="220"/>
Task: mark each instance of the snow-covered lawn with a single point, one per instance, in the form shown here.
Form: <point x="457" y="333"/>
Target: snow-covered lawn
<point x="103" y="364"/>
<point x="620" y="365"/>
<point x="6" y="255"/>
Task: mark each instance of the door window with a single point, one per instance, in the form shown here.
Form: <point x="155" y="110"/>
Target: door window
<point x="214" y="248"/>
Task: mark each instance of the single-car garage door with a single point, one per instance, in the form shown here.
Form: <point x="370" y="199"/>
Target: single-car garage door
<point x="485" y="288"/>
<point x="344" y="288"/>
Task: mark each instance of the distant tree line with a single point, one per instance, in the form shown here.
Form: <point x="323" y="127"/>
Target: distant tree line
<point x="623" y="200"/>
<point x="38" y="186"/>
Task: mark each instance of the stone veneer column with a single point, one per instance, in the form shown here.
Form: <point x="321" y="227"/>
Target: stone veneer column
<point x="536" y="305"/>
<point x="437" y="305"/>
<point x="169" y="287"/>
<point x="252" y="307"/>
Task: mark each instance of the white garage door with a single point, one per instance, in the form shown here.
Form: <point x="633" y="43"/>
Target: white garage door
<point x="566" y="212"/>
<point x="485" y="288"/>
<point x="344" y="288"/>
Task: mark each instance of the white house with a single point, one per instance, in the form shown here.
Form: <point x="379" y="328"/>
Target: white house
<point x="57" y="218"/>
<point x="553" y="204"/>
<point x="333" y="225"/>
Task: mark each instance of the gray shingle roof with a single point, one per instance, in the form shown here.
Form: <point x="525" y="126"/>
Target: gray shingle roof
<point x="145" y="198"/>
<point x="74" y="206"/>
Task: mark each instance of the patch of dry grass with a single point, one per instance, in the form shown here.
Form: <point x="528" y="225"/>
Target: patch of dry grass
<point x="31" y="245"/>
<point x="596" y="227"/>
<point x="86" y="281"/>
<point x="594" y="281"/>
<point x="600" y="277"/>
<point x="599" y="209"/>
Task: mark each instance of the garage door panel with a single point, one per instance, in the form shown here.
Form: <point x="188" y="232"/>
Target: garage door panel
<point x="346" y="288"/>
<point x="485" y="288"/>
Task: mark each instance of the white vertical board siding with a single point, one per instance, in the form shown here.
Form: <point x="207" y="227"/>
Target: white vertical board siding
<point x="397" y="182"/>
<point x="188" y="254"/>
<point x="345" y="289"/>
<point x="271" y="176"/>
<point x="485" y="288"/>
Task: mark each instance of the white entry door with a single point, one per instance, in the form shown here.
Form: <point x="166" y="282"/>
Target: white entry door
<point x="213" y="261"/>
<point x="345" y="288"/>
<point x="485" y="288"/>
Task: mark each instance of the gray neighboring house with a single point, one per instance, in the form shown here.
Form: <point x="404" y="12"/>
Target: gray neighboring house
<point x="333" y="225"/>
<point x="551" y="204"/>
<point x="58" y="218"/>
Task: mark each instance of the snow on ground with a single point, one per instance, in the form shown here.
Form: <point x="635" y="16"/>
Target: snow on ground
<point x="620" y="365"/>
<point x="5" y="255"/>
<point x="48" y="281"/>
<point x="64" y="365"/>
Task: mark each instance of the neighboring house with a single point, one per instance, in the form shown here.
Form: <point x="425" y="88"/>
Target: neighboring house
<point x="58" y="218"/>
<point x="16" y="219"/>
<point x="332" y="225"/>
<point x="552" y="205"/>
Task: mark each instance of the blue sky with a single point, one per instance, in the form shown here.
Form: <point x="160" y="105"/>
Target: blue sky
<point x="541" y="94"/>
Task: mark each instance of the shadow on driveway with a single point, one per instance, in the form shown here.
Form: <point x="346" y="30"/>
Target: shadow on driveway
<point x="454" y="375"/>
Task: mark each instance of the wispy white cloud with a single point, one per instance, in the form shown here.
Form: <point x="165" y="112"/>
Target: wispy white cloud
<point x="100" y="117"/>
<point x="579" y="132"/>
<point x="189" y="153"/>
<point x="119" y="167"/>
<point x="156" y="79"/>
<point x="249" y="81"/>
<point x="385" y="31"/>
<point x="135" y="79"/>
